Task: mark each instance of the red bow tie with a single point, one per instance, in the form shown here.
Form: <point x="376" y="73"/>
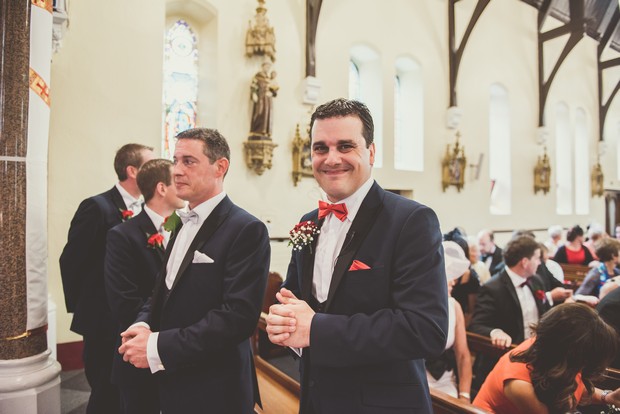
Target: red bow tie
<point x="339" y="210"/>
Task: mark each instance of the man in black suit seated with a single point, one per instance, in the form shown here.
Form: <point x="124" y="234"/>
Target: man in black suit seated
<point x="81" y="268"/>
<point x="490" y="253"/>
<point x="195" y="330"/>
<point x="367" y="298"/>
<point x="609" y="309"/>
<point x="134" y="255"/>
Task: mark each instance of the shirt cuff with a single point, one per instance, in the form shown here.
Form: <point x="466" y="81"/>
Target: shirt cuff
<point x="152" y="355"/>
<point x="298" y="351"/>
<point x="549" y="298"/>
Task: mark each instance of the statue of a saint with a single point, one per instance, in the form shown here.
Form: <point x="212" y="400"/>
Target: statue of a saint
<point x="262" y="91"/>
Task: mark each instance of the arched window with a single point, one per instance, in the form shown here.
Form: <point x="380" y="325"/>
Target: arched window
<point x="365" y="85"/>
<point x="499" y="151"/>
<point x="582" y="174"/>
<point x="180" y="83"/>
<point x="408" y="116"/>
<point x="563" y="160"/>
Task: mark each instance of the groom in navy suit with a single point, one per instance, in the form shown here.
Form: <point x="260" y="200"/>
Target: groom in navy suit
<point x="81" y="268"/>
<point x="366" y="300"/>
<point x="134" y="256"/>
<point x="194" y="332"/>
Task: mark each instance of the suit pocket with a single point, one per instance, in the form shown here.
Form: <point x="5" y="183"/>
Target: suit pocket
<point x="393" y="395"/>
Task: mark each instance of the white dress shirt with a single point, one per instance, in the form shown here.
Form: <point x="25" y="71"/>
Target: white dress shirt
<point x="132" y="203"/>
<point x="183" y="240"/>
<point x="158" y="222"/>
<point x="331" y="240"/>
<point x="529" y="310"/>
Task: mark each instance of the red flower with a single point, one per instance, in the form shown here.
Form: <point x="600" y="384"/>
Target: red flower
<point x="126" y="214"/>
<point x="303" y="235"/>
<point x="155" y="241"/>
<point x="540" y="295"/>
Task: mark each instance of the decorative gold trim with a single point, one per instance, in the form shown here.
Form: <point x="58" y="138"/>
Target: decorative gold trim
<point x="542" y="174"/>
<point x="260" y="39"/>
<point x="302" y="162"/>
<point x="453" y="166"/>
<point x="32" y="332"/>
<point x="44" y="4"/>
<point x="39" y="86"/>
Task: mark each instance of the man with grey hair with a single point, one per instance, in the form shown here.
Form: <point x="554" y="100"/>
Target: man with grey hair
<point x="555" y="239"/>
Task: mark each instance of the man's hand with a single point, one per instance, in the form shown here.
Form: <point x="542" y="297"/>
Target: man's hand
<point x="133" y="348"/>
<point x="500" y="338"/>
<point x="288" y="324"/>
<point x="560" y="294"/>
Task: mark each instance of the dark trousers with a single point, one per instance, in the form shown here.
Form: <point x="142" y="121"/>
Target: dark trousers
<point x="141" y="399"/>
<point x="99" y="347"/>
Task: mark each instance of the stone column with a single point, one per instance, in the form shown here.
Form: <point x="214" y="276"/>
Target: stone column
<point x="29" y="378"/>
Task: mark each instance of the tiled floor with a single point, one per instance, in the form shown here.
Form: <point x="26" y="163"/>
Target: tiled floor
<point x="74" y="392"/>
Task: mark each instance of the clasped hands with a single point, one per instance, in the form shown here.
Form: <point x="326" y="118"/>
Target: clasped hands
<point x="288" y="323"/>
<point x="133" y="347"/>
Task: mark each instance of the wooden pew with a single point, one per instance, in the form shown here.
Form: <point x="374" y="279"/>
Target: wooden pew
<point x="574" y="275"/>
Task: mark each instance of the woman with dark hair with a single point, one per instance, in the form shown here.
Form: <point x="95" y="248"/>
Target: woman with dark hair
<point x="553" y="371"/>
<point x="574" y="252"/>
<point x="465" y="287"/>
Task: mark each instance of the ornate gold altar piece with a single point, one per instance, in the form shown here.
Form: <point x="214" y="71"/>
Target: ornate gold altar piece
<point x="258" y="155"/>
<point x="597" y="180"/>
<point x="453" y="166"/>
<point x="302" y="162"/>
<point x="542" y="174"/>
<point x="260" y="39"/>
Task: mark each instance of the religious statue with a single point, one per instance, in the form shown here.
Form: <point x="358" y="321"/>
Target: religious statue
<point x="260" y="39"/>
<point x="262" y="91"/>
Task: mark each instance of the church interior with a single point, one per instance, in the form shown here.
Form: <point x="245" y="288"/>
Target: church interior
<point x="498" y="115"/>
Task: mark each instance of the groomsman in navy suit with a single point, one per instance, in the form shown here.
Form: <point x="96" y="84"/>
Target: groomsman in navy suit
<point x="81" y="268"/>
<point x="366" y="299"/>
<point x="134" y="256"/>
<point x="194" y="331"/>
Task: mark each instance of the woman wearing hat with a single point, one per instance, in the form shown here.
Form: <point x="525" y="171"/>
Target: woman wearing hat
<point x="455" y="362"/>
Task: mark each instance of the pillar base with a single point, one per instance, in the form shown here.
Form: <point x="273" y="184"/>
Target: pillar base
<point x="30" y="385"/>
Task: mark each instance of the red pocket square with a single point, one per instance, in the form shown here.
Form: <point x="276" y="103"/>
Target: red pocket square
<point x="357" y="265"/>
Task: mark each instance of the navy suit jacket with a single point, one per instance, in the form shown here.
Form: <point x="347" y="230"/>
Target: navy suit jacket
<point x="206" y="319"/>
<point x="130" y="270"/>
<point x="367" y="349"/>
<point x="81" y="262"/>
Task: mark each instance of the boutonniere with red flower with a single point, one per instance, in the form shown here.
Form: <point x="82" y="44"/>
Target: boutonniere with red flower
<point x="303" y="235"/>
<point x="126" y="214"/>
<point x="540" y="295"/>
<point x="155" y="241"/>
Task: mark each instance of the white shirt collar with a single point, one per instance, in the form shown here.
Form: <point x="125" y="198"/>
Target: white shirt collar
<point x="517" y="280"/>
<point x="128" y="199"/>
<point x="354" y="201"/>
<point x="204" y="209"/>
<point x="155" y="218"/>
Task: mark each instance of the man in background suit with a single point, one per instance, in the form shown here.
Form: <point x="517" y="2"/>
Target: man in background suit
<point x="372" y="291"/>
<point x="134" y="255"/>
<point x="194" y="332"/>
<point x="510" y="302"/>
<point x="81" y="268"/>
<point x="491" y="254"/>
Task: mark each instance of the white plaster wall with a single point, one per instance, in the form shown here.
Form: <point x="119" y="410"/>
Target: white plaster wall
<point x="106" y="85"/>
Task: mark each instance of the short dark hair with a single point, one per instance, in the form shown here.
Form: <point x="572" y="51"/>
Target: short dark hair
<point x="341" y="107"/>
<point x="574" y="232"/>
<point x="607" y="248"/>
<point x="215" y="145"/>
<point x="151" y="173"/>
<point x="129" y="155"/>
<point x="518" y="248"/>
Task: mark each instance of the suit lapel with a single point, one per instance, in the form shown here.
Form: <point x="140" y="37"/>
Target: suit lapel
<point x="147" y="228"/>
<point x="364" y="220"/>
<point x="513" y="294"/>
<point x="210" y="225"/>
<point x="118" y="201"/>
<point x="308" y="262"/>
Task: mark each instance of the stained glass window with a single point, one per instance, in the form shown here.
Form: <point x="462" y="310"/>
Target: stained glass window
<point x="180" y="83"/>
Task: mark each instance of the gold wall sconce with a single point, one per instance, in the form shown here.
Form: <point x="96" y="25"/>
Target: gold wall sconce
<point x="302" y="161"/>
<point x="596" y="180"/>
<point x="453" y="166"/>
<point x="542" y="174"/>
<point x="258" y="154"/>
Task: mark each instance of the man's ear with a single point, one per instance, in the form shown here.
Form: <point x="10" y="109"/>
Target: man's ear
<point x="222" y="166"/>
<point x="161" y="189"/>
<point x="131" y="171"/>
